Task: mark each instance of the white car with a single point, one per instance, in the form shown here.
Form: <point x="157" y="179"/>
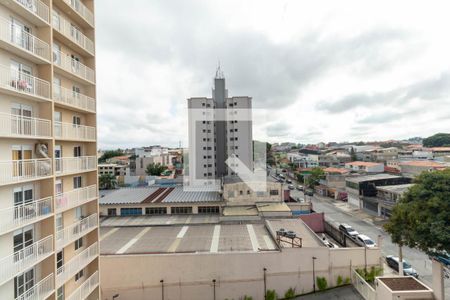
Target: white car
<point x="366" y="241"/>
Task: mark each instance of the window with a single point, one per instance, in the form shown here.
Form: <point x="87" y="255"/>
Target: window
<point x="112" y="211"/>
<point x="155" y="210"/>
<point x="241" y="193"/>
<point x="181" y="210"/>
<point x="77" y="182"/>
<point x="60" y="293"/>
<point x="78" y="243"/>
<point x="248" y="192"/>
<point x="23" y="238"/>
<point x="77" y="151"/>
<point x="79" y="275"/>
<point x="273" y="192"/>
<point x="57" y="54"/>
<point x="78" y="213"/>
<point x="132" y="211"/>
<point x="208" y="209"/>
<point x="76" y="120"/>
<point x="59" y="222"/>
<point x="75" y="63"/>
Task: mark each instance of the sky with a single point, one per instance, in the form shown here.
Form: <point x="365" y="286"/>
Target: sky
<point x="318" y="71"/>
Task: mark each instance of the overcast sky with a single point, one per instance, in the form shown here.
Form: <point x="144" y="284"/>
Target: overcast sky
<point x="319" y="70"/>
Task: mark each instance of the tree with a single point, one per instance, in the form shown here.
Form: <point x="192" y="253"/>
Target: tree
<point x="313" y="179"/>
<point x="155" y="169"/>
<point x="437" y="140"/>
<point x="353" y="154"/>
<point x="107" y="182"/>
<point x="110" y="153"/>
<point x="421" y="219"/>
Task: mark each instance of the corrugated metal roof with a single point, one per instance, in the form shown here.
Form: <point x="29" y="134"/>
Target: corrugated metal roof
<point x="178" y="195"/>
<point x="127" y="195"/>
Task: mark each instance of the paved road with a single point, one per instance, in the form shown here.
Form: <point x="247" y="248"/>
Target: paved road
<point x="416" y="258"/>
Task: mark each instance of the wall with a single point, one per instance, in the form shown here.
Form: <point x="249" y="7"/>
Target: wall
<point x="315" y="221"/>
<point x="189" y="276"/>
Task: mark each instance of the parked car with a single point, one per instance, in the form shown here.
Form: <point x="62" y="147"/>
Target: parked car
<point x="408" y="270"/>
<point x="299" y="187"/>
<point x="289" y="181"/>
<point x="365" y="241"/>
<point x="347" y="229"/>
<point x="309" y="193"/>
<point x="291" y="187"/>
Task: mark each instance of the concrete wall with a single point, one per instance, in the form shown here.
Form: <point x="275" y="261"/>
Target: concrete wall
<point x="315" y="221"/>
<point x="189" y="276"/>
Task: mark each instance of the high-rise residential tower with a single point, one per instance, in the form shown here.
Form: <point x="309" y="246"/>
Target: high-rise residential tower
<point x="48" y="164"/>
<point x="219" y="127"/>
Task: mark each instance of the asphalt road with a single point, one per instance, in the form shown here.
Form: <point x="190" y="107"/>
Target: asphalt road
<point x="416" y="258"/>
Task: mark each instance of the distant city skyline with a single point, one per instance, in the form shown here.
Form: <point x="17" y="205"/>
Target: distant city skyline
<point x="323" y="72"/>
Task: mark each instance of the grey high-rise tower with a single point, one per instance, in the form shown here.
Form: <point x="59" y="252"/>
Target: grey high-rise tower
<point x="218" y="128"/>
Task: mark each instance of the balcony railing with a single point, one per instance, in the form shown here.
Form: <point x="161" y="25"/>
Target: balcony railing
<point x="82" y="10"/>
<point x="15" y="35"/>
<point x="73" y="266"/>
<point x="86" y="288"/>
<point x="76" y="230"/>
<point x="40" y="291"/>
<point x="24" y="214"/>
<point x="17" y="125"/>
<point x="23" y="83"/>
<point x="36" y="7"/>
<point x="74" y="132"/>
<point x="69" y="97"/>
<point x="75" y="198"/>
<point x="71" y="32"/>
<point x="26" y="258"/>
<point x="72" y="65"/>
<point x="22" y="170"/>
<point x="68" y="165"/>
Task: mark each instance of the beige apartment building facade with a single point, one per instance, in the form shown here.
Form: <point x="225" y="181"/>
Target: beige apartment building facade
<point x="48" y="141"/>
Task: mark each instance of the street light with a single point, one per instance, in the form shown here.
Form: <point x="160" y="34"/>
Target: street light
<point x="162" y="289"/>
<point x="265" y="285"/>
<point x="115" y="296"/>
<point x="214" y="288"/>
<point x="314" y="274"/>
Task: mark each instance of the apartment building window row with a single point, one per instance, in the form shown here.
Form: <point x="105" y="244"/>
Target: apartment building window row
<point x="132" y="211"/>
<point x="208" y="209"/>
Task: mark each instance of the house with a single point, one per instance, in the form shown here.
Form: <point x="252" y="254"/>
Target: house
<point x="414" y="168"/>
<point x="365" y="167"/>
<point x="112" y="169"/>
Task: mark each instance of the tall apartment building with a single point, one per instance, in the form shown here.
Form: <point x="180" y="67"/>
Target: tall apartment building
<point x="219" y="127"/>
<point x="48" y="165"/>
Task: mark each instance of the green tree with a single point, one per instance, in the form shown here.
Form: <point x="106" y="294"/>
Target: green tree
<point x="437" y="140"/>
<point x="110" y="153"/>
<point x="316" y="175"/>
<point x="271" y="295"/>
<point x="421" y="219"/>
<point x="353" y="154"/>
<point x="155" y="169"/>
<point x="107" y="182"/>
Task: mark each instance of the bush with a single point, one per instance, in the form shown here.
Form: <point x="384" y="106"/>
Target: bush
<point x="271" y="295"/>
<point x="369" y="276"/>
<point x="247" y="297"/>
<point x="290" y="293"/>
<point x="347" y="280"/>
<point x="339" y="280"/>
<point x="321" y="283"/>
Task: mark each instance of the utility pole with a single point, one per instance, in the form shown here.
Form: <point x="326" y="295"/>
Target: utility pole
<point x="314" y="274"/>
<point x="265" y="284"/>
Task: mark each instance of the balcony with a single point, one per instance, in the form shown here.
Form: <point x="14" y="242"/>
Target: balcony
<point x="35" y="11"/>
<point x="75" y="198"/>
<point x="18" y="216"/>
<point x="73" y="165"/>
<point x="73" y="266"/>
<point x="24" y="259"/>
<point x="73" y="99"/>
<point x="24" y="127"/>
<point x="72" y="34"/>
<point x="13" y="38"/>
<point x="74" y="132"/>
<point x="75" y="231"/>
<point x="82" y="11"/>
<point x="15" y="171"/>
<point x="15" y="82"/>
<point x="40" y="291"/>
<point x="86" y="288"/>
<point x="73" y="66"/>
